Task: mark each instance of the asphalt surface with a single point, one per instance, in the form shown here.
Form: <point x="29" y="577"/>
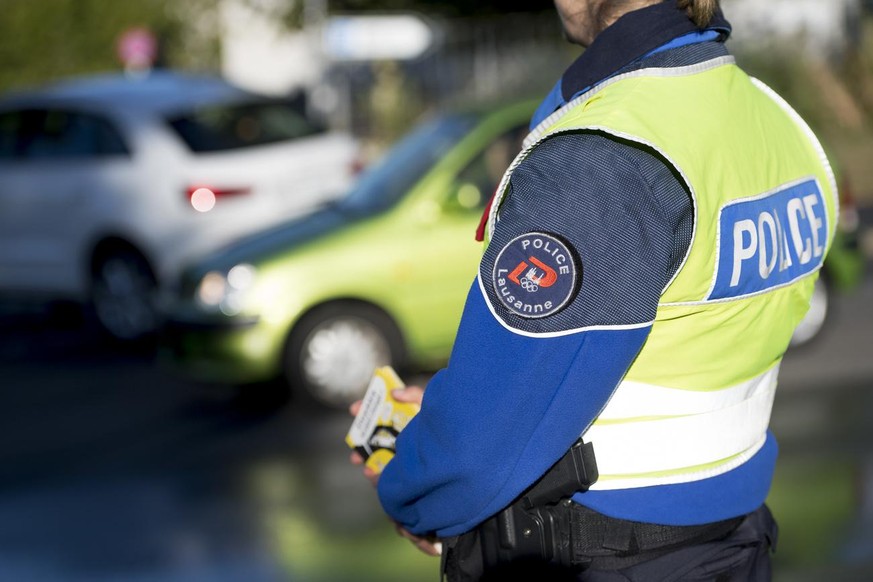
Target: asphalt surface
<point x="112" y="469"/>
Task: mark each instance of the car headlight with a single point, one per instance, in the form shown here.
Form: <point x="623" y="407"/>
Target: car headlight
<point x="225" y="292"/>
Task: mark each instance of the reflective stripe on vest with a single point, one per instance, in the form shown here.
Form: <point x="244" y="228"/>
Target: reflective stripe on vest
<point x="651" y="435"/>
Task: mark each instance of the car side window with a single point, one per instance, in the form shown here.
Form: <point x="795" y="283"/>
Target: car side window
<point x="241" y="125"/>
<point x="480" y="178"/>
<point x="39" y="134"/>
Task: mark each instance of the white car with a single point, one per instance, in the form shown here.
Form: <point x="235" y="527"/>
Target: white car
<point x="109" y="184"/>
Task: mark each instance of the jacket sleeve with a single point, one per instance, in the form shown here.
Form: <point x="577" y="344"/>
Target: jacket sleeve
<point x="522" y="385"/>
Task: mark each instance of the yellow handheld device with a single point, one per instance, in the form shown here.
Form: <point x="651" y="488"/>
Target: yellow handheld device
<point x="380" y="419"/>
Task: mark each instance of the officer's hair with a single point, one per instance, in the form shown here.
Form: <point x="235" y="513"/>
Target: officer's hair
<point x="700" y="11"/>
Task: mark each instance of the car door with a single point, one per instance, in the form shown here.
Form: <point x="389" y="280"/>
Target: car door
<point x="448" y="244"/>
<point x="51" y="163"/>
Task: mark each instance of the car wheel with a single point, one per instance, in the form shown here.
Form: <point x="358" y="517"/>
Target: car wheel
<point x="334" y="350"/>
<point x="814" y="320"/>
<point x="124" y="294"/>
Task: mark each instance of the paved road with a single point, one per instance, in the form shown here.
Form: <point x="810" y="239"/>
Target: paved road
<point x="112" y="469"/>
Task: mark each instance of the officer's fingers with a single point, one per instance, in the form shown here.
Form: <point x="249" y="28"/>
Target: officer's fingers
<point x="412" y="394"/>
<point x="404" y="533"/>
<point x="371" y="475"/>
<point x="428" y="546"/>
<point x="431" y="549"/>
<point x="354" y="407"/>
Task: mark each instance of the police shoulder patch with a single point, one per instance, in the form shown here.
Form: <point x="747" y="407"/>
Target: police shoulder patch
<point x="535" y="275"/>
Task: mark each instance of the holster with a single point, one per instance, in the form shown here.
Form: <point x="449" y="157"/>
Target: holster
<point x="535" y="534"/>
<point x="533" y="527"/>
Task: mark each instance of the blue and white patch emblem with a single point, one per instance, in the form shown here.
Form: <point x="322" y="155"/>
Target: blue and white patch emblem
<point x="534" y="275"/>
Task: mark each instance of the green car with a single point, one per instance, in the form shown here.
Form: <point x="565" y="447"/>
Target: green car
<point x="378" y="278"/>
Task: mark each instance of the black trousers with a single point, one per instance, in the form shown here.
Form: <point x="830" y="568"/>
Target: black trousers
<point x="740" y="555"/>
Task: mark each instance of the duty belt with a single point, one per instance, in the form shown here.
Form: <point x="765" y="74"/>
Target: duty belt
<point x="544" y="528"/>
<point x="610" y="543"/>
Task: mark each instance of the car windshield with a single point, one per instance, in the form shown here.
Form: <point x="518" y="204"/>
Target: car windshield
<point x="239" y="125"/>
<point x="385" y="183"/>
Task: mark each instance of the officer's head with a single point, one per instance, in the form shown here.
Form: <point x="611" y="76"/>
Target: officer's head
<point x="583" y="20"/>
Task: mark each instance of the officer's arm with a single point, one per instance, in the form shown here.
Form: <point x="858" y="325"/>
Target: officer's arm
<point x="588" y="237"/>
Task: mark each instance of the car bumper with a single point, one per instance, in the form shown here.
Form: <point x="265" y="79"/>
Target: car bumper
<point x="230" y="351"/>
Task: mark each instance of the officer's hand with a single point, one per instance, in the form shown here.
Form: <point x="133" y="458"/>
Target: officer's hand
<point x="412" y="394"/>
<point x="429" y="545"/>
<point x="369" y="473"/>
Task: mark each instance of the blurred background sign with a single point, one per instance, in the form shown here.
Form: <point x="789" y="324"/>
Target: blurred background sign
<point x="137" y="48"/>
<point x="379" y="37"/>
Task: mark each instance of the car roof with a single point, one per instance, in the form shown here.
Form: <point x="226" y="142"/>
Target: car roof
<point x="158" y="91"/>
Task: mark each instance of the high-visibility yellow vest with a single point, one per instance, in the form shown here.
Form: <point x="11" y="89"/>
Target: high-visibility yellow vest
<point x="696" y="401"/>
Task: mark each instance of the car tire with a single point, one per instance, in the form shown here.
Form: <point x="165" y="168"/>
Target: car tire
<point x="813" y="322"/>
<point x="124" y="294"/>
<point x="332" y="353"/>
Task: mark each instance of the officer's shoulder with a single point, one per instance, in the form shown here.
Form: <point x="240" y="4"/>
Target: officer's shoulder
<point x="581" y="149"/>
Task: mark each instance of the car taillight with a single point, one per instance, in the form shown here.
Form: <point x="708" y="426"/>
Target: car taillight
<point x="357" y="167"/>
<point x="204" y="198"/>
<point x="359" y="163"/>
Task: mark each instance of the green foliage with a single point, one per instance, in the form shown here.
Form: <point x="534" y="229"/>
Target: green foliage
<point x="47" y="39"/>
<point x="43" y="40"/>
<point x="835" y="98"/>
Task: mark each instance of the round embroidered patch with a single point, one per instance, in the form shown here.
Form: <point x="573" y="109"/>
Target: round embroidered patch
<point x="534" y="275"/>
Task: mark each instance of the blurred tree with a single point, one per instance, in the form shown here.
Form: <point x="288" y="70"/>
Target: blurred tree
<point x="293" y="12"/>
<point x="48" y="39"/>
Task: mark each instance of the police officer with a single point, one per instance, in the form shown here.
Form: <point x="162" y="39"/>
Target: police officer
<point x="648" y="256"/>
